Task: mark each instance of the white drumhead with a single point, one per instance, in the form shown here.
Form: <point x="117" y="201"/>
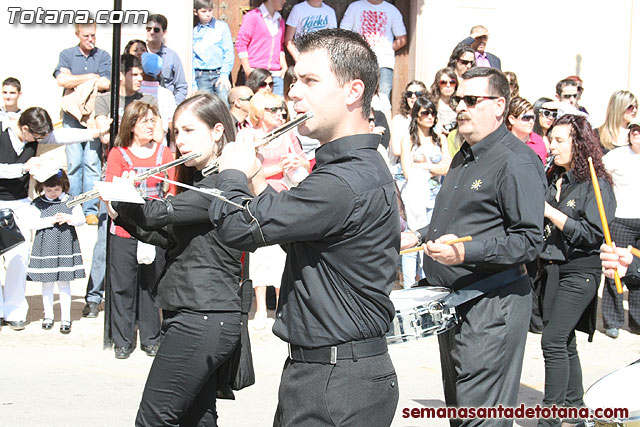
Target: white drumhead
<point x="619" y="389"/>
<point x="409" y="298"/>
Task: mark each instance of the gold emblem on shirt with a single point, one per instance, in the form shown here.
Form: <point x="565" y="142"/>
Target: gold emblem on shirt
<point x="571" y="203"/>
<point x="476" y="184"/>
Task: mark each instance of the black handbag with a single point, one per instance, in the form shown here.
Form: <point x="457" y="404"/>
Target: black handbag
<point x="10" y="235"/>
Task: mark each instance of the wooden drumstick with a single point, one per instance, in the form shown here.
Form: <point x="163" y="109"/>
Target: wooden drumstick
<point x="634" y="251"/>
<point x="603" y="219"/>
<point x="450" y="242"/>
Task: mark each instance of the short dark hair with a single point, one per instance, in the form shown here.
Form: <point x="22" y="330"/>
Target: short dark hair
<point x="256" y="78"/>
<point x="202" y="4"/>
<point x="131" y="43"/>
<point x="498" y="83"/>
<point x="12" y="81"/>
<point x="128" y="61"/>
<point x="37" y="120"/>
<point x="60" y="178"/>
<point x="350" y="58"/>
<point x="564" y="83"/>
<point x="457" y="53"/>
<point x="160" y="19"/>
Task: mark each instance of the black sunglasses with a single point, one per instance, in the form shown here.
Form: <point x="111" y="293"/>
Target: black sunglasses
<point x="154" y="29"/>
<point x="528" y="118"/>
<point x="246" y="98"/>
<point x="549" y="113"/>
<point x="265" y="84"/>
<point x="275" y="109"/>
<point x="465" y="62"/>
<point x="372" y="119"/>
<point x="570" y="95"/>
<point x="426" y="113"/>
<point x="410" y="93"/>
<point x="470" y="100"/>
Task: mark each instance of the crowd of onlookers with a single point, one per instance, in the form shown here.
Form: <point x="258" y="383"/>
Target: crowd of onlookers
<point x="418" y="143"/>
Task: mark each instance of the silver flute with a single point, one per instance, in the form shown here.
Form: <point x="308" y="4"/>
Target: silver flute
<point x="213" y="166"/>
<point x="94" y="194"/>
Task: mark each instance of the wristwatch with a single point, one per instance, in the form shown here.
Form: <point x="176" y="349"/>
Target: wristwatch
<point x="418" y="235"/>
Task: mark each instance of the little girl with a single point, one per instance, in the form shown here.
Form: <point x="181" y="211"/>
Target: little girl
<point x="55" y="254"/>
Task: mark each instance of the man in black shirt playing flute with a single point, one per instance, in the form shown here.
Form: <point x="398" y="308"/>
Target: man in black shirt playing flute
<point x="494" y="192"/>
<point x="341" y="230"/>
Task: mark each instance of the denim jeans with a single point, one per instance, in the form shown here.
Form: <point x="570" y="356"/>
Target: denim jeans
<point x="386" y="81"/>
<point x="278" y="85"/>
<point x="206" y="81"/>
<point x="83" y="165"/>
<point x="95" y="285"/>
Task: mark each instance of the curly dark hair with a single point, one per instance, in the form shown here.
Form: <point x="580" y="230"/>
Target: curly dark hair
<point x="404" y="105"/>
<point x="457" y="53"/>
<point x="423" y="103"/>
<point x="584" y="144"/>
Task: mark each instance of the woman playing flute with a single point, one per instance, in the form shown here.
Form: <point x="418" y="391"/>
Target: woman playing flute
<point x="569" y="264"/>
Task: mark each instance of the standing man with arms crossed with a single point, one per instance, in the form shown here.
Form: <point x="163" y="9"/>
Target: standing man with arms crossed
<point x="494" y="192"/>
<point x="77" y="65"/>
<point x="340" y="228"/>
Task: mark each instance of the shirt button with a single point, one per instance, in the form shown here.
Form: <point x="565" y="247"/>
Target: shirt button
<point x="446" y="209"/>
<point x="435" y="229"/>
<point x="466" y="166"/>
<point x="279" y="315"/>
<point x="455" y="187"/>
<point x="205" y="317"/>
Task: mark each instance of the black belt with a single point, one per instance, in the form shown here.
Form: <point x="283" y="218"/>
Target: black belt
<point x="202" y="69"/>
<point x="331" y="354"/>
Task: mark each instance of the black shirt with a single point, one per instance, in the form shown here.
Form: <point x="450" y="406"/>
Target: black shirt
<point x="14" y="188"/>
<point x="582" y="234"/>
<point x="201" y="272"/>
<point x="341" y="231"/>
<point x="493" y="192"/>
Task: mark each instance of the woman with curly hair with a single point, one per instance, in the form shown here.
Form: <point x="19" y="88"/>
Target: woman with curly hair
<point x="444" y="86"/>
<point x="569" y="263"/>
<point x="622" y="109"/>
<point x="462" y="59"/>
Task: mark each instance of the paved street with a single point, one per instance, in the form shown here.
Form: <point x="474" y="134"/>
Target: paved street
<point x="52" y="380"/>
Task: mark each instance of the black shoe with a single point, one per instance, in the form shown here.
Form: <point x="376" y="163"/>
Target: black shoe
<point x="151" y="350"/>
<point x="47" y="324"/>
<point x="16" y="325"/>
<point x="122" y="352"/>
<point x="65" y="327"/>
<point x="91" y="310"/>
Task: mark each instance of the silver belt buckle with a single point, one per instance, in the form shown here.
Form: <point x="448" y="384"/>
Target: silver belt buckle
<point x="334" y="355"/>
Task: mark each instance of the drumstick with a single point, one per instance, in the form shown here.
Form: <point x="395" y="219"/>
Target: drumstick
<point x="603" y="218"/>
<point x="450" y="242"/>
<point x="634" y="251"/>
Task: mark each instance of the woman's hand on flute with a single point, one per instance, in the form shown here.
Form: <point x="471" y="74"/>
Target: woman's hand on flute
<point x="614" y="258"/>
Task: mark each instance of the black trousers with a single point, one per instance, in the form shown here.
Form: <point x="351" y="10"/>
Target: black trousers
<point x="624" y="232"/>
<point x="562" y="370"/>
<point x="349" y="393"/>
<point x="131" y="297"/>
<point x="481" y="358"/>
<point x="182" y="383"/>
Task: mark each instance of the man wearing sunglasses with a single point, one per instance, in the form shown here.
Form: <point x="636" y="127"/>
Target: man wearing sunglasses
<point x="568" y="91"/>
<point x="239" y="99"/>
<point x="172" y="71"/>
<point x="478" y="41"/>
<point x="493" y="192"/>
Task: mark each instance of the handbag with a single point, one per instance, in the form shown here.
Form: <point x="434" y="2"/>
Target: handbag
<point x="10" y="235"/>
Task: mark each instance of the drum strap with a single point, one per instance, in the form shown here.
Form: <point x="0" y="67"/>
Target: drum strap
<point x="484" y="286"/>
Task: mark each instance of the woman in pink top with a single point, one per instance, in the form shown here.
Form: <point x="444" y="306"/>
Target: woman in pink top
<point x="284" y="165"/>
<point x="520" y="122"/>
<point x="260" y="42"/>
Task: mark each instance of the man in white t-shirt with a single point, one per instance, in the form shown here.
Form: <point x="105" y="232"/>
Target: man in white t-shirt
<point x="307" y="17"/>
<point x="380" y="23"/>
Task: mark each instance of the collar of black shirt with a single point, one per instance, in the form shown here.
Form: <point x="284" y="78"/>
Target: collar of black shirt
<point x="338" y="148"/>
<point x="477" y="150"/>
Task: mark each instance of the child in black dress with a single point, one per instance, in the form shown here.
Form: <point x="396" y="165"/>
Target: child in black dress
<point x="55" y="254"/>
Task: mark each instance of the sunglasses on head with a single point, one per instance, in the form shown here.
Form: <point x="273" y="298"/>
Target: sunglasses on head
<point x="448" y="83"/>
<point x="465" y="62"/>
<point x="154" y="29"/>
<point x="410" y="93"/>
<point x="275" y="110"/>
<point x="470" y="100"/>
<point x="426" y="113"/>
<point x="549" y="113"/>
<point x="528" y="118"/>
<point x="265" y="84"/>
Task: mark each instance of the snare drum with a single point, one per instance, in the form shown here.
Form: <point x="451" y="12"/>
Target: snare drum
<point x="420" y="313"/>
<point x="618" y="389"/>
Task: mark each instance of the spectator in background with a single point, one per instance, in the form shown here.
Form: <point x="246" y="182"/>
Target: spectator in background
<point x="11" y="91"/>
<point x="261" y="79"/>
<point x="478" y="39"/>
<point x="306" y="17"/>
<point x="622" y="109"/>
<point x="213" y="55"/>
<point x="172" y="71"/>
<point x="400" y="124"/>
<point x="381" y="25"/>
<point x="545" y="112"/>
<point x="260" y="43"/>
<point x="77" y="65"/>
<point x="578" y="80"/>
<point x="136" y="48"/>
<point x="513" y="83"/>
<point x="444" y="86"/>
<point x="567" y="91"/>
<point x="462" y="59"/>
<point x="239" y="99"/>
<point x="520" y="121"/>
<point x="151" y="72"/>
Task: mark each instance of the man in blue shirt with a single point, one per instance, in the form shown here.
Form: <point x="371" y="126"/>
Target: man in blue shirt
<point x="172" y="72"/>
<point x="213" y="54"/>
<point x="77" y="65"/>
